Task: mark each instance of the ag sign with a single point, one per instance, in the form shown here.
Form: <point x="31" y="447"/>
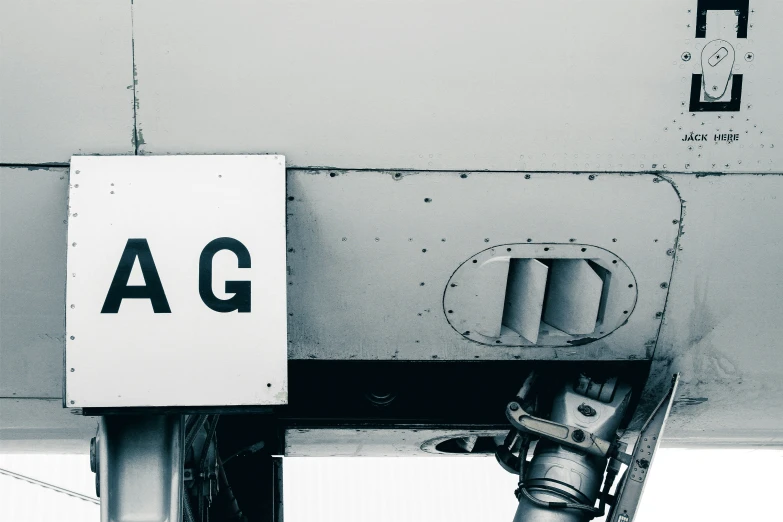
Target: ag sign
<point x="176" y="292"/>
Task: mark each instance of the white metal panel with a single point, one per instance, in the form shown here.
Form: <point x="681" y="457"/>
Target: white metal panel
<point x="32" y="281"/>
<point x="193" y="354"/>
<point x="372" y="253"/>
<point x="723" y="328"/>
<point x="66" y="79"/>
<point x="552" y="85"/>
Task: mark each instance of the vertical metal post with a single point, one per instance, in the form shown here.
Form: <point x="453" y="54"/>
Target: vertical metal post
<point x="277" y="501"/>
<point x="140" y="462"/>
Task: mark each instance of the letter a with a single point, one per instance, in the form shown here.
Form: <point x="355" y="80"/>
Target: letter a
<point x="152" y="290"/>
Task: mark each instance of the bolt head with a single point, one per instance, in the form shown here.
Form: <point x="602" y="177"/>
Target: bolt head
<point x="513" y="406"/>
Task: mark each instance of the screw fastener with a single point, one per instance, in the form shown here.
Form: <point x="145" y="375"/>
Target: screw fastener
<point x="578" y="435"/>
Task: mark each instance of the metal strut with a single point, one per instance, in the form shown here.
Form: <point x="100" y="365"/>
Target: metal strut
<point x="577" y="447"/>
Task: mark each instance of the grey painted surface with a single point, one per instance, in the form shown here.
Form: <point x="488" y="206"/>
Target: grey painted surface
<point x="32" y="281"/>
<point x="496" y="85"/>
<point x="43" y="426"/>
<point x="370" y="258"/>
<point x="66" y="79"/>
<point x="721" y="328"/>
<point x="723" y="325"/>
<point x="389" y="442"/>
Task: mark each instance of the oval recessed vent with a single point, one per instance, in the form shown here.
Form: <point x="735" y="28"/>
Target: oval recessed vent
<point x="540" y="295"/>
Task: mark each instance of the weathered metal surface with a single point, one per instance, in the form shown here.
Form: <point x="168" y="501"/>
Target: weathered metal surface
<point x="66" y="79"/>
<point x="455" y="85"/>
<point x="369" y="442"/>
<point x="32" y="281"/>
<point x="43" y="426"/>
<point x="722" y="330"/>
<point x="474" y="295"/>
<point x="371" y="255"/>
<point x="631" y="487"/>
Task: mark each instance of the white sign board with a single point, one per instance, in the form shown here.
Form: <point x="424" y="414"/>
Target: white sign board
<point x="176" y="292"/>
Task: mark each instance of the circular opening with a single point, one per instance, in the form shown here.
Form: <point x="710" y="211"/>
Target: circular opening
<point x="475" y="261"/>
<point x="546" y="249"/>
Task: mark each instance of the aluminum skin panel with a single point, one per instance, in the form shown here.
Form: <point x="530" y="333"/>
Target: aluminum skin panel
<point x="43" y="426"/>
<point x="494" y="85"/>
<point x="371" y="254"/>
<point x="722" y="329"/>
<point x="375" y="442"/>
<point x="32" y="281"/>
<point x="176" y="290"/>
<point x="66" y="80"/>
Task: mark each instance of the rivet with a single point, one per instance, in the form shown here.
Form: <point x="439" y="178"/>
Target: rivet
<point x="664" y="285"/>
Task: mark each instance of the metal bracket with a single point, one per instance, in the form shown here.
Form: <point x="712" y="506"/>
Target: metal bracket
<point x="569" y="436"/>
<point x="632" y="486"/>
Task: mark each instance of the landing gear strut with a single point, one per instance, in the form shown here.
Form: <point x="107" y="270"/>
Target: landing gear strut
<point x="578" y="449"/>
